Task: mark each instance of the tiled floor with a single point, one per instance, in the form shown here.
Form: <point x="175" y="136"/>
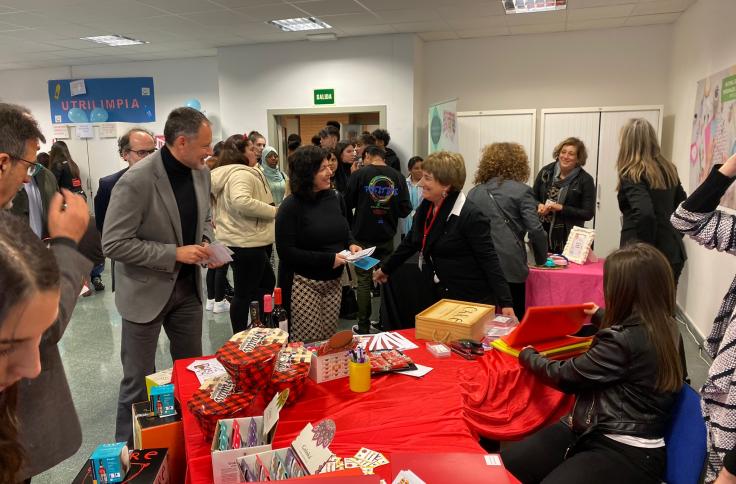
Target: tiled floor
<point x="91" y="353"/>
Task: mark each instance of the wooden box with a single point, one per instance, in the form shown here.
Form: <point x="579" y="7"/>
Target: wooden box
<point x="449" y="320"/>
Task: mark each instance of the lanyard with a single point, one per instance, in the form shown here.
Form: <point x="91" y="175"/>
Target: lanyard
<point x="429" y="222"/>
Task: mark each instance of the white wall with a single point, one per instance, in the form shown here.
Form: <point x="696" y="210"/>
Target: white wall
<point x="364" y="71"/>
<point x="703" y="44"/>
<point x="175" y="81"/>
<point x="613" y="67"/>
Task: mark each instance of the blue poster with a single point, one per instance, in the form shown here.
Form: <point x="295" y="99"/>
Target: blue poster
<point x="109" y="100"/>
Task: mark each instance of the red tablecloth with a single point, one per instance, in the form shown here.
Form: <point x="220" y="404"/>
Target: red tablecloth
<point x="443" y="411"/>
<point x="575" y="285"/>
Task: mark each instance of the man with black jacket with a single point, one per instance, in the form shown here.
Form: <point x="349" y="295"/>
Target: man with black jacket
<point x="379" y="195"/>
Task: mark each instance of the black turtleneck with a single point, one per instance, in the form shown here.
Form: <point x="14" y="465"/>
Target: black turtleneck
<point x="182" y="183"/>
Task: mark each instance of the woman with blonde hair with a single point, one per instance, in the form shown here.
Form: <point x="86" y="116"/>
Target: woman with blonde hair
<point x="502" y="194"/>
<point x="453" y="238"/>
<point x="649" y="191"/>
<point x="565" y="192"/>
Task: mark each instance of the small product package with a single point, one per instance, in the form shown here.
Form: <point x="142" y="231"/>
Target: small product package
<point x="146" y="466"/>
<point x="439" y="350"/>
<point x="162" y="400"/>
<point x="159" y="378"/>
<point x="290" y="372"/>
<point x="236" y="437"/>
<point x="249" y="357"/>
<point x="330" y="358"/>
<point x="110" y="463"/>
<point x="307" y="455"/>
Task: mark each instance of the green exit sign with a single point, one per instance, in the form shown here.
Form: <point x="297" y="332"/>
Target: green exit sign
<point x="324" y="96"/>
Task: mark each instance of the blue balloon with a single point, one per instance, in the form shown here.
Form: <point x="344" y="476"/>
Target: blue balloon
<point x="98" y="115"/>
<point x="193" y="103"/>
<point x="77" y="115"/>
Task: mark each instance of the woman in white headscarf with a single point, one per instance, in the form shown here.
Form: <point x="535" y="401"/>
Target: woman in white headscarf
<point x="277" y="179"/>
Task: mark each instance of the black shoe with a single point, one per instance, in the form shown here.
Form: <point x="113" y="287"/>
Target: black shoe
<point x="363" y="327"/>
<point x="97" y="283"/>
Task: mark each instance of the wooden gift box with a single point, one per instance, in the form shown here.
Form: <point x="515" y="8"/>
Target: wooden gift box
<point x="450" y="320"/>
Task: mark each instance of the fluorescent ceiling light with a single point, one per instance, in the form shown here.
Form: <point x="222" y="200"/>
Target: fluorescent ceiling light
<point x="300" y="24"/>
<point x="114" y="40"/>
<point x="529" y="6"/>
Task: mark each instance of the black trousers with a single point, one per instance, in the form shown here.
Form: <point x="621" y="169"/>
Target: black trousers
<point x="518" y="296"/>
<point x="253" y="277"/>
<point x="594" y="458"/>
<point x="217" y="282"/>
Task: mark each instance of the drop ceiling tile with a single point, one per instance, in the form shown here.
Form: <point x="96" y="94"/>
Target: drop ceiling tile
<point x="604" y="23"/>
<point x="39" y="35"/>
<point x="662" y="18"/>
<point x="329" y="7"/>
<point x="181" y="6"/>
<point x="615" y="11"/>
<point x="36" y="4"/>
<point x="662" y="6"/>
<point x="270" y="12"/>
<point x="74" y="31"/>
<point x="537" y="29"/>
<point x="476" y="33"/>
<point x="352" y="20"/>
<point x="402" y="16"/>
<point x="394" y="4"/>
<point x="369" y="30"/>
<point x="575" y="4"/>
<point x="245" y="3"/>
<point x="434" y="36"/>
<point x="27" y="19"/>
<point x="536" y="18"/>
<point x="452" y="12"/>
<point x="225" y="18"/>
<point x="252" y="29"/>
<point x="420" y="27"/>
<point x="477" y="23"/>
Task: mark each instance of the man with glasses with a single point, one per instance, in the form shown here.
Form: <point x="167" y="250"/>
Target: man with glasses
<point x="33" y="199"/>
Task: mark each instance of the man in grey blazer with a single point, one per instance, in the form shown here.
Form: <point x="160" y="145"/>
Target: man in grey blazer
<point x="157" y="228"/>
<point x="49" y="429"/>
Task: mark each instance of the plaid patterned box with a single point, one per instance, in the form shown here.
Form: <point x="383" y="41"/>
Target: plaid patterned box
<point x="249" y="357"/>
<point x="217" y="399"/>
<point x="291" y="371"/>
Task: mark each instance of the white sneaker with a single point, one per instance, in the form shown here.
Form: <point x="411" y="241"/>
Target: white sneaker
<point x="221" y="307"/>
<point x="209" y="304"/>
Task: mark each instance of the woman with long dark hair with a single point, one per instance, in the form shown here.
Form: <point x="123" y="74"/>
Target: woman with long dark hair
<point x="625" y="385"/>
<point x="244" y="221"/>
<point x="65" y="169"/>
<point x="29" y="304"/>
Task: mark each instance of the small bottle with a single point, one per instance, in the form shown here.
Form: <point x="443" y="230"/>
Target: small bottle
<point x="280" y="318"/>
<point x="255" y="315"/>
<point x="267" y="310"/>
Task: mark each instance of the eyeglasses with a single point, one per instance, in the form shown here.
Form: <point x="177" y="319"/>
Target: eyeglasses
<point x="142" y="153"/>
<point x="34" y="167"/>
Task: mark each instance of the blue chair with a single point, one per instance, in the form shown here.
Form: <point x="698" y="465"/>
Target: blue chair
<point x="686" y="440"/>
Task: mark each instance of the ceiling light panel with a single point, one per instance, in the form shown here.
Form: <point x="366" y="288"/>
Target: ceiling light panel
<point x="300" y="24"/>
<point x="114" y="40"/>
<point x="529" y="6"/>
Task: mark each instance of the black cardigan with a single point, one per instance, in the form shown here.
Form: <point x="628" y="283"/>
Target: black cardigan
<point x="459" y="251"/>
<point x="579" y="204"/>
<point x="646" y="217"/>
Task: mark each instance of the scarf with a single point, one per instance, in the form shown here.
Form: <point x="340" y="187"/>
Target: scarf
<point x="274" y="176"/>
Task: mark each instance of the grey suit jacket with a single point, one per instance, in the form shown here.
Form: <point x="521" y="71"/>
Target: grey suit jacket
<point x="48" y="424"/>
<point x="142" y="232"/>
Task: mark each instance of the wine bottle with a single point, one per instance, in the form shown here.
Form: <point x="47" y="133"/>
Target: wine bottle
<point x="255" y="315"/>
<point x="267" y="310"/>
<point x="280" y="318"/>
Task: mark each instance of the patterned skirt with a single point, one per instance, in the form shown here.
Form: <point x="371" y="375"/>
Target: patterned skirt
<point x="315" y="307"/>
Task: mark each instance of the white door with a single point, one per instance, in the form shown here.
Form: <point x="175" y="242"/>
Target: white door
<point x="478" y="129"/>
<point x="608" y="227"/>
<point x="557" y="126"/>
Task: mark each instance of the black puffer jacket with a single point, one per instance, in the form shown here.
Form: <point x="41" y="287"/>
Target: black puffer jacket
<point x="614" y="382"/>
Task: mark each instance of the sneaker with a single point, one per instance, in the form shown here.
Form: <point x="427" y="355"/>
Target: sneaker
<point x="221" y="307"/>
<point x="210" y="304"/>
<point x="97" y="283"/>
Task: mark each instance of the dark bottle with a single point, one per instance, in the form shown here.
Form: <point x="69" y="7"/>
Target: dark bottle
<point x="280" y="318"/>
<point x="255" y="315"/>
<point x="267" y="310"/>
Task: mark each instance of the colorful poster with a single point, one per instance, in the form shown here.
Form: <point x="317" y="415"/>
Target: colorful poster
<point x="105" y="100"/>
<point x="443" y="127"/>
<point x="714" y="128"/>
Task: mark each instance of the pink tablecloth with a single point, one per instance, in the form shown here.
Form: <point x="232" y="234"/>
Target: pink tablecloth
<point x="575" y="285"/>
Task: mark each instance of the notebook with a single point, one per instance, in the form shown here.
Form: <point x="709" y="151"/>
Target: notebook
<point x="451" y="467"/>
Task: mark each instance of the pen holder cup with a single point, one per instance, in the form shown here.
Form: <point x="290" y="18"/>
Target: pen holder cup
<point x="359" y="376"/>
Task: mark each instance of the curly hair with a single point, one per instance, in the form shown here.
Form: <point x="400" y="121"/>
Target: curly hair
<point x="582" y="153"/>
<point x="304" y="163"/>
<point x="506" y="161"/>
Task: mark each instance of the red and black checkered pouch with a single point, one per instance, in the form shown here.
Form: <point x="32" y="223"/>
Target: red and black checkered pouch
<point x="249" y="357"/>
<point x="291" y="371"/>
<point x="217" y="399"/>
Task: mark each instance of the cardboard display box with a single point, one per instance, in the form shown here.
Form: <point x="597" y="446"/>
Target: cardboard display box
<point x="160" y="378"/>
<point x="151" y="432"/>
<point x="450" y="320"/>
<point x="148" y="466"/>
<point x="256" y="435"/>
<point x="329" y="367"/>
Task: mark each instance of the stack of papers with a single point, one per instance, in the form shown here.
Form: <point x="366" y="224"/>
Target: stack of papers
<point x="219" y="254"/>
<point x="386" y="341"/>
<point x="206" y="369"/>
<point x="362" y="259"/>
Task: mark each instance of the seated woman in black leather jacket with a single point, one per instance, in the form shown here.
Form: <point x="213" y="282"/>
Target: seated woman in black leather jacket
<point x="625" y="385"/>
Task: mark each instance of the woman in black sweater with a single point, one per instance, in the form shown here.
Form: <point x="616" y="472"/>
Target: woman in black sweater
<point x="453" y="237"/>
<point x="311" y="231"/>
<point x="565" y="193"/>
<point x="649" y="190"/>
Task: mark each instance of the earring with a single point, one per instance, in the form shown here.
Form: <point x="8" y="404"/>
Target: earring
<point x="444" y="194"/>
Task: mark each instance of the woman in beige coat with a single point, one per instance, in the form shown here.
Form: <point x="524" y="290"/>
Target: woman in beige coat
<point x="244" y="217"/>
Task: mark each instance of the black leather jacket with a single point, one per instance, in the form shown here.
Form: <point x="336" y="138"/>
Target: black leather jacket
<point x="614" y="382"/>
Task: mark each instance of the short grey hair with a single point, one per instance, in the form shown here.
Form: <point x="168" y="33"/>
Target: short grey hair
<point x="124" y="141"/>
<point x="17" y="127"/>
<point x="183" y="122"/>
